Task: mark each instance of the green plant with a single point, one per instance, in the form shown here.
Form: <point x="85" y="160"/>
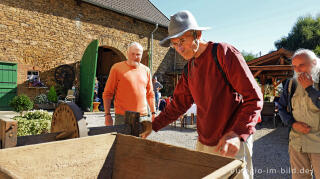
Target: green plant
<point x="33" y="123"/>
<point x="37" y="114"/>
<point x="21" y="103"/>
<point x="41" y="99"/>
<point x="52" y="95"/>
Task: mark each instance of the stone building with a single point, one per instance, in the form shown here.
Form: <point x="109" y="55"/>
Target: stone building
<point x="37" y="37"/>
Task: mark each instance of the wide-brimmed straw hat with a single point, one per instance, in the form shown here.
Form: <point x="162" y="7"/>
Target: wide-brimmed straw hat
<point x="180" y="23"/>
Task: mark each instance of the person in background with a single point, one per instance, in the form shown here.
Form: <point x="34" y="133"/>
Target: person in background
<point x="131" y="84"/>
<point x="157" y="86"/>
<point x="300" y="110"/>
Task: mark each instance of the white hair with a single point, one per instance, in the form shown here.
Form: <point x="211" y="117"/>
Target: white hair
<point x="135" y="44"/>
<point x="315" y="71"/>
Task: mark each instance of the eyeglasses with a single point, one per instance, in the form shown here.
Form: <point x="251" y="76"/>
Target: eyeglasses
<point x="179" y="44"/>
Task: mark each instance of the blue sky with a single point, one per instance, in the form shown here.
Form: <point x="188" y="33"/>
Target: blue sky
<point x="249" y="25"/>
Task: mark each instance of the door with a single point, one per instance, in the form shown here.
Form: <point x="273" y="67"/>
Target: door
<point x="8" y="84"/>
<point x="88" y="66"/>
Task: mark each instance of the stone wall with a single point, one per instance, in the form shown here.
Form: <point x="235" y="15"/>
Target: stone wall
<point x="44" y="34"/>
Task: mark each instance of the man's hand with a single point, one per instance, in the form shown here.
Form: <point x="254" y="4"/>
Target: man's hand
<point x="152" y="117"/>
<point x="229" y="144"/>
<point x="301" y="127"/>
<point x="147" y="126"/>
<point x="305" y="80"/>
<point x="108" y="120"/>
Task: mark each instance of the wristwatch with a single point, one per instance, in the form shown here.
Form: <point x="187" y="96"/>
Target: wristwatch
<point x="153" y="113"/>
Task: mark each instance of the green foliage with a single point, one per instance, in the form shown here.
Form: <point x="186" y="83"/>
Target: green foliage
<point x="33" y="123"/>
<point x="248" y="56"/>
<point x="304" y="34"/>
<point x="38" y="114"/>
<point x="317" y="50"/>
<point x="41" y="99"/>
<point x="52" y="95"/>
<point x="21" y="103"/>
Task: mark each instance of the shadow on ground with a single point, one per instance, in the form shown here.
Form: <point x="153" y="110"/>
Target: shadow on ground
<point x="270" y="152"/>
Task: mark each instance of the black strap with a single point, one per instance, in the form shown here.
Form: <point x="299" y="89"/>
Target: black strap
<point x="214" y="54"/>
<point x="185" y="70"/>
<point x="291" y="92"/>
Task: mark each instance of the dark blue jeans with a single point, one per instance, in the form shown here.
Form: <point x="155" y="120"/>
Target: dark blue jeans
<point x="156" y="95"/>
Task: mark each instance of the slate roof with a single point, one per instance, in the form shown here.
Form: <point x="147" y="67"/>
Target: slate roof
<point x="140" y="9"/>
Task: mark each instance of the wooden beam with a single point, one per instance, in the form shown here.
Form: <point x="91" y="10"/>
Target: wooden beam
<point x="278" y="73"/>
<point x="8" y="132"/>
<point x="271" y="68"/>
<point x="257" y="73"/>
<point x="262" y="84"/>
<point x="281" y="60"/>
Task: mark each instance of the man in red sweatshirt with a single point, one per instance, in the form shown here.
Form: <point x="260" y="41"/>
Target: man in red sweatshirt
<point x="218" y="80"/>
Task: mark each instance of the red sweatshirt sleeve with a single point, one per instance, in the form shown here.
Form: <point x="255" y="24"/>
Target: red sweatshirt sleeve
<point x="242" y="80"/>
<point x="182" y="101"/>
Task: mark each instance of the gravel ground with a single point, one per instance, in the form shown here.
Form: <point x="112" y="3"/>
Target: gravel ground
<point x="270" y="156"/>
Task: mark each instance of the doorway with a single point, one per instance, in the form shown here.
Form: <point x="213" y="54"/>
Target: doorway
<point x="107" y="56"/>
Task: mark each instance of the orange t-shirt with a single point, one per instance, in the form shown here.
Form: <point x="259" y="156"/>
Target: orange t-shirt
<point x="131" y="86"/>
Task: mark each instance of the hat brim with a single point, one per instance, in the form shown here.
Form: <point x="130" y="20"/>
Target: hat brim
<point x="166" y="41"/>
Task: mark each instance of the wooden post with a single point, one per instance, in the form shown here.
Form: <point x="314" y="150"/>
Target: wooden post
<point x="274" y="82"/>
<point x="281" y="60"/>
<point x="8" y="132"/>
<point x="262" y="84"/>
<point x="132" y="118"/>
<point x="192" y="118"/>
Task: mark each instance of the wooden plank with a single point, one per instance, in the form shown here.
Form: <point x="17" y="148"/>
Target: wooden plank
<point x="271" y="67"/>
<point x="224" y="172"/>
<point x="139" y="158"/>
<point x="74" y="158"/>
<point x="37" y="139"/>
<point x="132" y="118"/>
<point x="122" y="129"/>
<point x="8" y="132"/>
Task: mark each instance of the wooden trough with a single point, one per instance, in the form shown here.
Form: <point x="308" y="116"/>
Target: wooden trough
<point x="112" y="156"/>
<point x="101" y="153"/>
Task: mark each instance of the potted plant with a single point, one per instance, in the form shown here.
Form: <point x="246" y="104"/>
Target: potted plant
<point x="41" y="101"/>
<point x="53" y="97"/>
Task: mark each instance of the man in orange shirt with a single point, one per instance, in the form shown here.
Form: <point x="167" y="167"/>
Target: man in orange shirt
<point x="131" y="83"/>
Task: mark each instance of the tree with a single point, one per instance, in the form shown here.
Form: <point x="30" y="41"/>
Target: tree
<point x="248" y="56"/>
<point x="304" y="34"/>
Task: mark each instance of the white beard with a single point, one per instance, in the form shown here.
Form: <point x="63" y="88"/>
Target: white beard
<point x="133" y="64"/>
<point x="315" y="72"/>
<point x="136" y="64"/>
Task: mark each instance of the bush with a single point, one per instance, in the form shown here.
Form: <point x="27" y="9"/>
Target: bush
<point x="38" y="114"/>
<point x="21" y="103"/>
<point x="52" y="95"/>
<point x="33" y="123"/>
<point x="41" y="99"/>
